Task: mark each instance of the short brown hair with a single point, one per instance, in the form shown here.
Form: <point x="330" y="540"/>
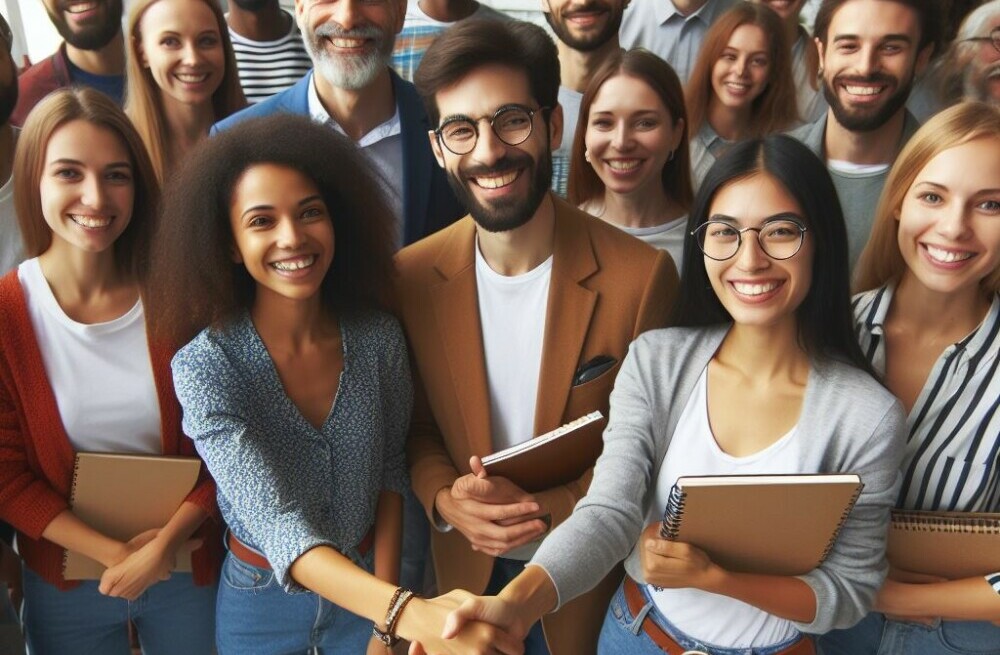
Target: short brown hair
<point x="584" y="184"/>
<point x="776" y="108"/>
<point x="195" y="283"/>
<point x="55" y="110"/>
<point x="928" y="13"/>
<point x="472" y="44"/>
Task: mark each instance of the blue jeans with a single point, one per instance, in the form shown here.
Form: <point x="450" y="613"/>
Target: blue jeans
<point x="255" y="615"/>
<point x="876" y="635"/>
<point x="622" y="633"/>
<point x="505" y="570"/>
<point x="172" y="616"/>
<point x="416" y="546"/>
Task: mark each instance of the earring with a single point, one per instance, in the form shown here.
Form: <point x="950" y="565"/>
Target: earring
<point x="670" y="156"/>
<point x="586" y="155"/>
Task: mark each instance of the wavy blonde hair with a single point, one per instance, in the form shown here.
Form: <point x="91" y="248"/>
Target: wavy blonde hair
<point x="143" y="102"/>
<point x="881" y="260"/>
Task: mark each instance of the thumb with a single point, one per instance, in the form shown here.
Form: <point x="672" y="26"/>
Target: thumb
<point x="469" y="610"/>
<point x="476" y="464"/>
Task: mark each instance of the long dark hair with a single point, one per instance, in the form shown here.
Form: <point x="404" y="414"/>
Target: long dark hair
<point x="194" y="281"/>
<point x="825" y="323"/>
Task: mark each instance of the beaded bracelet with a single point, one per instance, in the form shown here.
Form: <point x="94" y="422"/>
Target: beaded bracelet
<point x="399" y="600"/>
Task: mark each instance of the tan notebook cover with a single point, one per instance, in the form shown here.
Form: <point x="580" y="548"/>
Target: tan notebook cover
<point x="773" y="524"/>
<point x="124" y="495"/>
<point x="551" y="459"/>
<point x="951" y="545"/>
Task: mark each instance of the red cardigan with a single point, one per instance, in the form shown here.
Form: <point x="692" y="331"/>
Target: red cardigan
<point x="37" y="459"/>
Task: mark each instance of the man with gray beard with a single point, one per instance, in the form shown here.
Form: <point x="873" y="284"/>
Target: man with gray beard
<point x="353" y="90"/>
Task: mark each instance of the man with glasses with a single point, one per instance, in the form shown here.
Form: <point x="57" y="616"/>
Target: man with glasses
<point x="977" y="54"/>
<point x="92" y="53"/>
<point x="517" y="315"/>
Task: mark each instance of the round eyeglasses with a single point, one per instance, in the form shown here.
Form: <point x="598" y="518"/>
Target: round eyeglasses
<point x="511" y="123"/>
<point x="993" y="38"/>
<point x="779" y="238"/>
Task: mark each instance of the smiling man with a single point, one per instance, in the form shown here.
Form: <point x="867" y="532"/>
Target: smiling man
<point x="92" y="53"/>
<point x="586" y="33"/>
<point x="517" y="316"/>
<point x="870" y="52"/>
<point x="353" y="90"/>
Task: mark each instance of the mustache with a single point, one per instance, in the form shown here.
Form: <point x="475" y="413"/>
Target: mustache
<point x="593" y="5"/>
<point x="506" y="164"/>
<point x="873" y="78"/>
<point x="332" y="30"/>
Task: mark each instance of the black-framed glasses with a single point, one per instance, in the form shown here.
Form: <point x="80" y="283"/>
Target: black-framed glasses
<point x="993" y="38"/>
<point x="779" y="238"/>
<point x="511" y="123"/>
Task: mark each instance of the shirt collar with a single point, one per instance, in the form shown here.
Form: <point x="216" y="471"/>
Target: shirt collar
<point x="318" y="113"/>
<point x="666" y="9"/>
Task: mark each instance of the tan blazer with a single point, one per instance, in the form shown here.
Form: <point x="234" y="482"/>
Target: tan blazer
<point x="606" y="288"/>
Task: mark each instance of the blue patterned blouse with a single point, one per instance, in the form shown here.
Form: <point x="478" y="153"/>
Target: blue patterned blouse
<point x="285" y="487"/>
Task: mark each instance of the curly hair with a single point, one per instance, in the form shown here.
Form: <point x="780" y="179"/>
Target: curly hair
<point x="195" y="283"/>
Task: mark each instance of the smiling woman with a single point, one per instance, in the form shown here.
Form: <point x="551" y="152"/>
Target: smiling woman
<point x="181" y="76"/>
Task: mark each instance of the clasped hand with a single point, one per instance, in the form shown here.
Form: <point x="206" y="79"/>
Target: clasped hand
<point x="673" y="564"/>
<point x="144" y="560"/>
<point x="493" y="513"/>
<point x="475" y="624"/>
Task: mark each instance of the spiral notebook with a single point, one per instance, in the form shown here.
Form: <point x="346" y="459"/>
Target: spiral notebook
<point x="124" y="495"/>
<point x="773" y="524"/>
<point x="951" y="545"/>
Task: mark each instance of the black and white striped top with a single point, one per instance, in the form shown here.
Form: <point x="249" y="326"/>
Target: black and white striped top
<point x="952" y="460"/>
<point x="269" y="67"/>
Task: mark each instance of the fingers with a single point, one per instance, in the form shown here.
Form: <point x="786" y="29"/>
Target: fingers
<point x="507" y="644"/>
<point x="469" y="610"/>
<point x="476" y="465"/>
<point x="416" y="649"/>
<point x="489" y="490"/>
<point x="494" y="540"/>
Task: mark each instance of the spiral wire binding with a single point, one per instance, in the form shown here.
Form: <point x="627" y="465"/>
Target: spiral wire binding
<point x="673" y="514"/>
<point x="840" y="525"/>
<point x="956" y="524"/>
<point x="72" y="501"/>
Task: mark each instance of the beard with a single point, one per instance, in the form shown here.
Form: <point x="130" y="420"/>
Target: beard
<point x="509" y="213"/>
<point x="977" y="83"/>
<point x="252" y="5"/>
<point x="94" y="34"/>
<point x="588" y="42"/>
<point x="351" y="72"/>
<point x="867" y="119"/>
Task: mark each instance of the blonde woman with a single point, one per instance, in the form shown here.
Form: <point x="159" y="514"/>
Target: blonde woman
<point x="929" y="322"/>
<point x="182" y="76"/>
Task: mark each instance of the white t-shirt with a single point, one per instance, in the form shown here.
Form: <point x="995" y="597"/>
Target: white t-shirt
<point x="512" y="312"/>
<point x="668" y="236"/>
<point x="11" y="244"/>
<point x="100" y="374"/>
<point x="712" y="618"/>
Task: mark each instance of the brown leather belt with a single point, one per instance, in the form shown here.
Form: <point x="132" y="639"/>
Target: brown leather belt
<point x="636" y="601"/>
<point x="250" y="556"/>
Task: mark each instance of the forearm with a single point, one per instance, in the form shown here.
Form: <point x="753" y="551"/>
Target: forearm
<point x="532" y="594"/>
<point x="68" y="531"/>
<point x="968" y="599"/>
<point x="182" y="525"/>
<point x="783" y="596"/>
<point x="388" y="536"/>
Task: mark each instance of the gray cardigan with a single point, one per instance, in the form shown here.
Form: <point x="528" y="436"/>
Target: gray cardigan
<point x="858" y="426"/>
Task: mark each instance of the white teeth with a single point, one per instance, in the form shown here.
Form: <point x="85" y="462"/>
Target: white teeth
<point x="191" y="78"/>
<point x="863" y="90"/>
<point x="347" y="43"/>
<point x="623" y="165"/>
<point x="947" y="256"/>
<point x="754" y="289"/>
<point x="90" y="221"/>
<point x="497" y="181"/>
<point x="295" y="264"/>
<point x="81" y="7"/>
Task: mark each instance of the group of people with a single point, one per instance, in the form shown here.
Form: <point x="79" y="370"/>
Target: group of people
<point x="667" y="207"/>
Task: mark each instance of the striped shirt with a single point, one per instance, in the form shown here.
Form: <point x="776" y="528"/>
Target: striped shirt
<point x="952" y="460"/>
<point x="419" y="32"/>
<point x="269" y="67"/>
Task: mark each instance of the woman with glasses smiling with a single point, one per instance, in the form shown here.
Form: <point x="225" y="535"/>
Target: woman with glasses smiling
<point x="761" y="376"/>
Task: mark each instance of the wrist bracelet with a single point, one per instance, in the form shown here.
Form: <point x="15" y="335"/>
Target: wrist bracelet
<point x="399" y="600"/>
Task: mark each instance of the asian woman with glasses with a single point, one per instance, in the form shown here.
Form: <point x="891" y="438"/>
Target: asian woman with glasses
<point x="761" y="376"/>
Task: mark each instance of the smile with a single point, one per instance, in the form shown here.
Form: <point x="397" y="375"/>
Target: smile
<point x="755" y="289"/>
<point x="737" y="88"/>
<point x="945" y="256"/>
<point x="345" y="43"/>
<point x="496" y="181"/>
<point x="91" y="222"/>
<point x="863" y="91"/>
<point x="623" y="165"/>
<point x="191" y="78"/>
<point x="294" y="264"/>
<point x="81" y="7"/>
